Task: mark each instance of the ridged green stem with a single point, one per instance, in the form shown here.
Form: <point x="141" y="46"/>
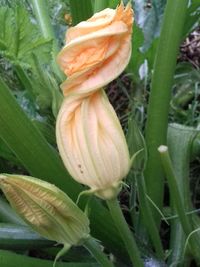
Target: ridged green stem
<point x="125" y="232"/>
<point x="178" y="201"/>
<point x="41" y="11"/>
<point x="148" y="217"/>
<point x="100" y="5"/>
<point x="158" y="109"/>
<point x="93" y="247"/>
<point x="179" y="140"/>
<point x="80" y="10"/>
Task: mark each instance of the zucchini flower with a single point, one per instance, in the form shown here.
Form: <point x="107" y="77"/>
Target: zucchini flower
<point x="90" y="139"/>
<point x="47" y="209"/>
<point x="92" y="144"/>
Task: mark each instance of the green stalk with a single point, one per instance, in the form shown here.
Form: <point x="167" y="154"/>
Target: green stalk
<point x="180" y="140"/>
<point x="148" y="217"/>
<point x="158" y="109"/>
<point x="40" y="8"/>
<point x="80" y="10"/>
<point x="125" y="232"/>
<point x="11" y="259"/>
<point x="93" y="247"/>
<point x="177" y="200"/>
<point x="100" y="5"/>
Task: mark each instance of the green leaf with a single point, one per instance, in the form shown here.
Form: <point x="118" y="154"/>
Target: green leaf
<point x="41" y="83"/>
<point x="11" y="259"/>
<point x="80" y="10"/>
<point x="137" y="57"/>
<point x="40" y="86"/>
<point x="149" y="18"/>
<point x="6" y="33"/>
<point x="193" y="18"/>
<point x="19" y="36"/>
<point x="42" y="14"/>
<point x="6" y="153"/>
<point x="41" y="47"/>
<point x="46" y="87"/>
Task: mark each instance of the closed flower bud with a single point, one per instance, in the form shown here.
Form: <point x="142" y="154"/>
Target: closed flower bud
<point x="44" y="207"/>
<point x="92" y="144"/>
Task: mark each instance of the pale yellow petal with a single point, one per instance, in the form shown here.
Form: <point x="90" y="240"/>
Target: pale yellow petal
<point x="93" y="147"/>
<point x="89" y="42"/>
<point x="99" y="77"/>
<point x="97" y="21"/>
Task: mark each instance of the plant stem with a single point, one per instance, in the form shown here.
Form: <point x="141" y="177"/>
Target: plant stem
<point x="177" y="199"/>
<point x="158" y="109"/>
<point x="175" y="193"/>
<point x="125" y="232"/>
<point x="40" y="8"/>
<point x="100" y="5"/>
<point x="179" y="140"/>
<point x="93" y="247"/>
<point x="80" y="10"/>
<point x="148" y="217"/>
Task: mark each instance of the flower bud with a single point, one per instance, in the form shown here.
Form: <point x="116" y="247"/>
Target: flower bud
<point x="92" y="143"/>
<point x="47" y="209"/>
